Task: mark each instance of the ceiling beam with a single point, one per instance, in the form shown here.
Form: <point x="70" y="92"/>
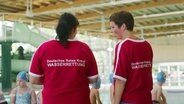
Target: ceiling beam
<point x="61" y="5"/>
<point x="137" y="7"/>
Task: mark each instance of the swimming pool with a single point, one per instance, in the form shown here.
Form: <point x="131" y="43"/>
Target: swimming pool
<point x="173" y="95"/>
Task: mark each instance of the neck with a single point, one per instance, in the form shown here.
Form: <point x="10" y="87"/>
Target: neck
<point x="71" y="36"/>
<point x="22" y="87"/>
<point x="125" y="34"/>
<point x="159" y="83"/>
<point x="128" y="34"/>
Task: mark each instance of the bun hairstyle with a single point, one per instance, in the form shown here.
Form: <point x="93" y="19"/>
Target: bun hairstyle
<point x="66" y="25"/>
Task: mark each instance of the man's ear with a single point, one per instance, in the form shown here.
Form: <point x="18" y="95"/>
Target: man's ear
<point x="123" y="26"/>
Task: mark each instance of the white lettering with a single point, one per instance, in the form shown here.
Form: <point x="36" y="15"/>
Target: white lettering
<point x="141" y="65"/>
<point x="66" y="63"/>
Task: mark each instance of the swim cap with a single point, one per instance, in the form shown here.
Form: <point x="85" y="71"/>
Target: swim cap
<point x="97" y="84"/>
<point x="111" y="78"/>
<point x="161" y="77"/>
<point x="22" y="75"/>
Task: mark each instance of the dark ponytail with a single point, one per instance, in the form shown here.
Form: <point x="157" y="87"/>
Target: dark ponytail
<point x="67" y="23"/>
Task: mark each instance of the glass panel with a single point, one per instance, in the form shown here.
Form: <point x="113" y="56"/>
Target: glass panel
<point x="181" y="75"/>
<point x="163" y="68"/>
<point x="173" y="76"/>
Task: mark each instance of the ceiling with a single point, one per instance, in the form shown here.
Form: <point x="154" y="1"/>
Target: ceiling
<point x="153" y="18"/>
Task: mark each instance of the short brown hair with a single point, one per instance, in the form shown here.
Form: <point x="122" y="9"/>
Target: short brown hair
<point x="123" y="17"/>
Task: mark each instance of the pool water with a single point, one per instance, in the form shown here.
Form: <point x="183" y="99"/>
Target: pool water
<point x="173" y="96"/>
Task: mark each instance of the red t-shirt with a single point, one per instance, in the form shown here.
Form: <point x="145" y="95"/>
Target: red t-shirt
<point x="133" y="64"/>
<point x="66" y="71"/>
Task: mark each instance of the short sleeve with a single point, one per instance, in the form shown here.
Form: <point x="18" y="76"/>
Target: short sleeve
<point x="121" y="64"/>
<point x="92" y="70"/>
<point x="35" y="66"/>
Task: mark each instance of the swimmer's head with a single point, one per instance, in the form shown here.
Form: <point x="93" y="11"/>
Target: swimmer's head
<point x="22" y="76"/>
<point x="161" y="77"/>
<point x="97" y="84"/>
<point x="111" y="77"/>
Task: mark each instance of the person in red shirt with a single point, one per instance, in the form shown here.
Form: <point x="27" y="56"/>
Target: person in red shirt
<point x="133" y="63"/>
<point x="64" y="66"/>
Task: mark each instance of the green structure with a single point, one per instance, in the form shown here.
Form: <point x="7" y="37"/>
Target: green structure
<point x="18" y="33"/>
<point x="6" y="66"/>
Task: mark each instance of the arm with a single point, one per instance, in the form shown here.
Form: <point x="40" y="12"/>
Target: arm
<point x="40" y="95"/>
<point x="36" y="80"/>
<point x="98" y="97"/>
<point x="118" y="90"/>
<point x="12" y="96"/>
<point x="159" y="92"/>
<point x="33" y="97"/>
<point x="92" y="70"/>
<point x="163" y="98"/>
<point x="111" y="93"/>
<point x="92" y="99"/>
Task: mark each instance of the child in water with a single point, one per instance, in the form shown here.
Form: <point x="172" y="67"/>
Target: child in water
<point x="22" y="94"/>
<point x="157" y="93"/>
<point x="94" y="92"/>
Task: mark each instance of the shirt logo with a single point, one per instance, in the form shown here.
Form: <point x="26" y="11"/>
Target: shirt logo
<point x="140" y="65"/>
<point x="65" y="62"/>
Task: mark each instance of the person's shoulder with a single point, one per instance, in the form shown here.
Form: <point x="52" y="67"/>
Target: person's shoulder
<point x="127" y="41"/>
<point x="134" y="40"/>
<point x="80" y="42"/>
<point x="31" y="89"/>
<point x="49" y="42"/>
<point x="147" y="42"/>
<point x="83" y="44"/>
<point x="13" y="91"/>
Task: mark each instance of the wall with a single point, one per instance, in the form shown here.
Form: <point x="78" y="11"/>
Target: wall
<point x="168" y="49"/>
